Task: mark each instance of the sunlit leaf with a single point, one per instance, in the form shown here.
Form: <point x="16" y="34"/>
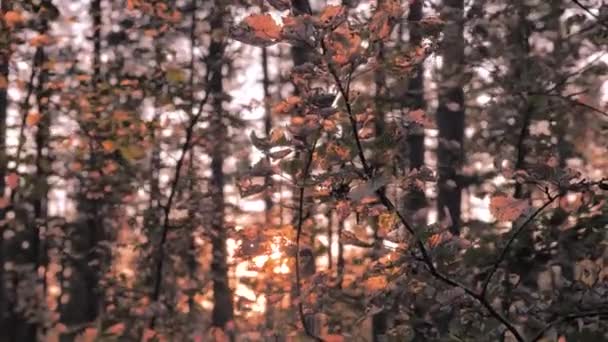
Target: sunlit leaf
<point x="332" y="15"/>
<point x="132" y="152"/>
<point x="12" y="180"/>
<point x="32" y="118"/>
<point x="12" y="18"/>
<point x="108" y="145"/>
<point x="116" y="329"/>
<point x="506" y="208"/>
<point x="376" y="283"/>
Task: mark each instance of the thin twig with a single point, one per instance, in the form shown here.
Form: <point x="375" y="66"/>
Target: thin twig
<point x="174" y="185"/>
<point x="426" y="258"/>
<point x="569" y="317"/>
<point x="298" y="237"/>
<point x="513" y="237"/>
<point x="586" y="9"/>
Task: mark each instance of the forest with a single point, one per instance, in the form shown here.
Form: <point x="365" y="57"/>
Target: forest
<point x="303" y="170"/>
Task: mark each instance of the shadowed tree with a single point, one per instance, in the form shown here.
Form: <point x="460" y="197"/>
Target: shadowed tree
<point x="451" y="114"/>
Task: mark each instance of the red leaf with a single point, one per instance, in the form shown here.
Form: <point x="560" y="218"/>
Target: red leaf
<point x="506" y="208"/>
<point x="12" y="180"/>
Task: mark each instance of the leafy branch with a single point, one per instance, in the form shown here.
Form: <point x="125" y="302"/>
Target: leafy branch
<point x="518" y="231"/>
<point x="569" y="317"/>
<point x="426" y="258"/>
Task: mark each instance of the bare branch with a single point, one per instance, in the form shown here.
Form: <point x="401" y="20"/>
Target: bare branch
<point x="603" y="314"/>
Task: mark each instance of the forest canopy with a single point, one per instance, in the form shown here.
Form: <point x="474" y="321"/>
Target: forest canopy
<point x="303" y="170"/>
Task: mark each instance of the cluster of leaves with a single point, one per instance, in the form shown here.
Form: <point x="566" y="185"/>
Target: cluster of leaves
<point x="330" y="150"/>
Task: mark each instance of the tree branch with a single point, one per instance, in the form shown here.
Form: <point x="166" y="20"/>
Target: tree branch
<point x="426" y="258"/>
<point x="569" y="317"/>
<point x="586" y="9"/>
<point x="513" y="237"/>
<point x="298" y="237"/>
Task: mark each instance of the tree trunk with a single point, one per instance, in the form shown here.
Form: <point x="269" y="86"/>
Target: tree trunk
<point x="84" y="284"/>
<point x="222" y="295"/>
<point x="450" y="115"/>
<point x="414" y="100"/>
<point x="5" y="54"/>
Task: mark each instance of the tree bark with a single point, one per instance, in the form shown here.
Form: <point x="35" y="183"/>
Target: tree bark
<point x="451" y="114"/>
<point x="413" y="100"/>
<point x="5" y="55"/>
<point x="222" y="295"/>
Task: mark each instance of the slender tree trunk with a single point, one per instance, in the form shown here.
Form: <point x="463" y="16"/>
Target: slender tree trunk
<point x="5" y="55"/>
<point x="414" y="100"/>
<point x="85" y="297"/>
<point x="222" y="295"/>
<point x="451" y="114"/>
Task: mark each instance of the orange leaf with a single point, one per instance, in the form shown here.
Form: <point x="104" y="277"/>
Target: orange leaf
<point x="12" y="180"/>
<point x="376" y="283"/>
<point x="333" y="338"/>
<point x="12" y="18"/>
<point x="419" y="116"/>
<point x="40" y="40"/>
<point x="331" y="15"/>
<point x="344" y="43"/>
<point x="380" y="26"/>
<point x="116" y="329"/>
<point x="108" y="145"/>
<point x="3" y="82"/>
<point x="32" y="119"/>
<point x="264" y="26"/>
<point x="506" y="208"/>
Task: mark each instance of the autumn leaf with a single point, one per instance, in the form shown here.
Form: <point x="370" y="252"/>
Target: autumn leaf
<point x="3" y="82"/>
<point x="12" y="18"/>
<point x="40" y="40"/>
<point x="506" y="208"/>
<point x="376" y="283"/>
<point x="175" y="75"/>
<point x="333" y="338"/>
<point x="12" y="180"/>
<point x="344" y="44"/>
<point x="257" y="29"/>
<point x="116" y="329"/>
<point x="132" y="152"/>
<point x="108" y="145"/>
<point x="380" y="27"/>
<point x="32" y="119"/>
<point x="419" y="116"/>
<point x="4" y="202"/>
<point x="332" y="15"/>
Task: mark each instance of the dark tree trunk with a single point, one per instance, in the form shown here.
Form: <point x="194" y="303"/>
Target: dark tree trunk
<point x="450" y="114"/>
<point x="84" y="288"/>
<point x="414" y="100"/>
<point x="5" y="55"/>
<point x="222" y="295"/>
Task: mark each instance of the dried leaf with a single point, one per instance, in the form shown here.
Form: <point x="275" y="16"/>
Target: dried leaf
<point x="376" y="283"/>
<point x="116" y="329"/>
<point x="12" y="18"/>
<point x="344" y="44"/>
<point x="32" y="119"/>
<point x="12" y="180"/>
<point x="332" y="15"/>
<point x="369" y="188"/>
<point x="419" y="116"/>
<point x="108" y="145"/>
<point x="506" y="208"/>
